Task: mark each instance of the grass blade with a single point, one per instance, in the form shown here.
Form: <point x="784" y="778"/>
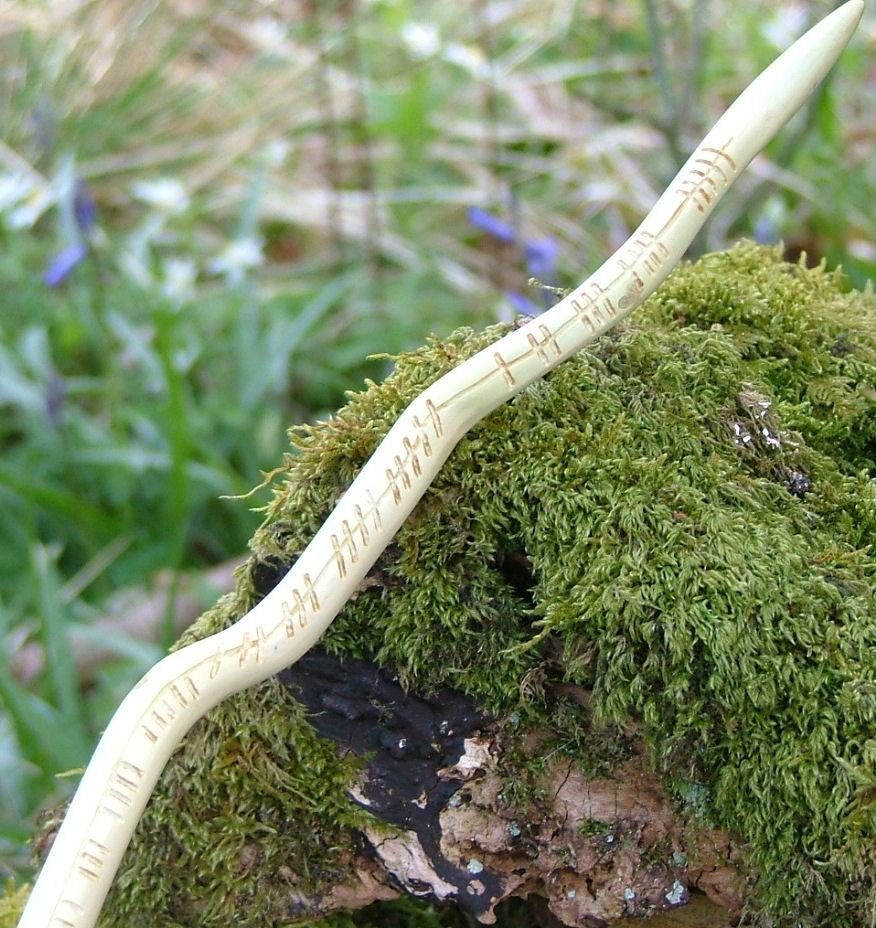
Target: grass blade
<point x="59" y="654"/>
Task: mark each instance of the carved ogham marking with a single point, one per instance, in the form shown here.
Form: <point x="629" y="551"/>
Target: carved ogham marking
<point x="149" y="733"/>
<point x="91" y="859"/>
<point x="75" y="913"/>
<point x="86" y="871"/>
<point x="310" y="593"/>
<point x="435" y="418"/>
<point x="360" y="523"/>
<point x="654" y="259"/>
<point x="646" y="251"/>
<point x="399" y="473"/>
<point x="119" y="796"/>
<point x="112" y="813"/>
<point x="396" y="489"/>
<point x="176" y="690"/>
<point x="347" y="543"/>
<point x="124" y="785"/>
<point x="596" y="309"/>
<point x="583" y="311"/>
<point x="131" y="768"/>
<point x="644" y="242"/>
<point x="248" y="644"/>
<point x="703" y="185"/>
<point x="216" y="664"/>
<point x="289" y="615"/>
<point x="632" y="293"/>
<point x="178" y="695"/>
<point x="602" y="312"/>
<point x="423" y="435"/>
<point x="338" y="555"/>
<point x="401" y="468"/>
<point x="412" y="457"/>
<point x="502" y="364"/>
<point x="374" y="511"/>
<point x="297" y="609"/>
<point x="540" y="346"/>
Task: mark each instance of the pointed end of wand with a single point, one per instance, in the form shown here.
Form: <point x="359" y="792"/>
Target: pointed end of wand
<point x="844" y="20"/>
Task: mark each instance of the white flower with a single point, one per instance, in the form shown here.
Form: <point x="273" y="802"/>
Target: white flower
<point x="468" y="58"/>
<point x="165" y="194"/>
<point x="237" y="258"/>
<point x="179" y="276"/>
<point x="133" y="263"/>
<point x="422" y="39"/>
<point x="26" y="213"/>
<point x="785" y="25"/>
<point x="267" y="34"/>
<point x="277" y="151"/>
<point x="24" y="199"/>
<point x="13" y="189"/>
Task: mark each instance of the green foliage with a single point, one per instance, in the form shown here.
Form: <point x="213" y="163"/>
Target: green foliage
<point x="680" y="570"/>
<point x="11" y="904"/>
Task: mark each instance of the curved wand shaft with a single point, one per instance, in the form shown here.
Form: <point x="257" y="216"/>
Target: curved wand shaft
<point x="155" y="716"/>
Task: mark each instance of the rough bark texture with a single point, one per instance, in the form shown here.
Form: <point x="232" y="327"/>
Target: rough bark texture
<point x="597" y="849"/>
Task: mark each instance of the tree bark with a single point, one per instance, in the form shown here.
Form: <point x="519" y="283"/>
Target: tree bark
<point x="596" y="849"/>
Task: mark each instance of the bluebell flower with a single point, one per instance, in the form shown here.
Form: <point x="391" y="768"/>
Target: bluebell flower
<point x="62" y="265"/>
<point x="77" y="214"/>
<point x="541" y="258"/>
<point x="84" y="208"/>
<point x="521" y="304"/>
<point x="538" y="255"/>
<point x="491" y="224"/>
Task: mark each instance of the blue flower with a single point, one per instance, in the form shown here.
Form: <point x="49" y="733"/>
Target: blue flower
<point x="491" y="224"/>
<point x="538" y="255"/>
<point x="77" y="216"/>
<point x="84" y="208"/>
<point x="62" y="265"/>
<point x="521" y="304"/>
<point x="541" y="258"/>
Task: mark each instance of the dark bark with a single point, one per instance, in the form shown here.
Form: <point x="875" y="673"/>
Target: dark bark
<point x="596" y="849"/>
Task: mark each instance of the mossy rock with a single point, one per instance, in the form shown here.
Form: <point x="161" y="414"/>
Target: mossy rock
<point x="680" y="520"/>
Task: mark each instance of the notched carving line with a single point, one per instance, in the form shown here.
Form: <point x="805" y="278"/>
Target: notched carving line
<point x="540" y="347"/>
<point x="695" y="188"/>
<point x="502" y="365"/>
<point x="113" y="813"/>
<point x="412" y="456"/>
<point x="435" y="418"/>
<point x="338" y="555"/>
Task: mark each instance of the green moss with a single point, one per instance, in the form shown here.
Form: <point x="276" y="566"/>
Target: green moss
<point x="12" y="904"/>
<point x="679" y="519"/>
<point x="250" y="811"/>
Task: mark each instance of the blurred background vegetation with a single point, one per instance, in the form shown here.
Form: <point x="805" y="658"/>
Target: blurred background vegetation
<point x="211" y="214"/>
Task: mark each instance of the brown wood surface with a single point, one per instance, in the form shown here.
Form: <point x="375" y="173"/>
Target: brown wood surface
<point x="698" y="913"/>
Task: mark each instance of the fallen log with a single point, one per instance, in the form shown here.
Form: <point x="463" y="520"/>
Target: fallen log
<point x="641" y="599"/>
